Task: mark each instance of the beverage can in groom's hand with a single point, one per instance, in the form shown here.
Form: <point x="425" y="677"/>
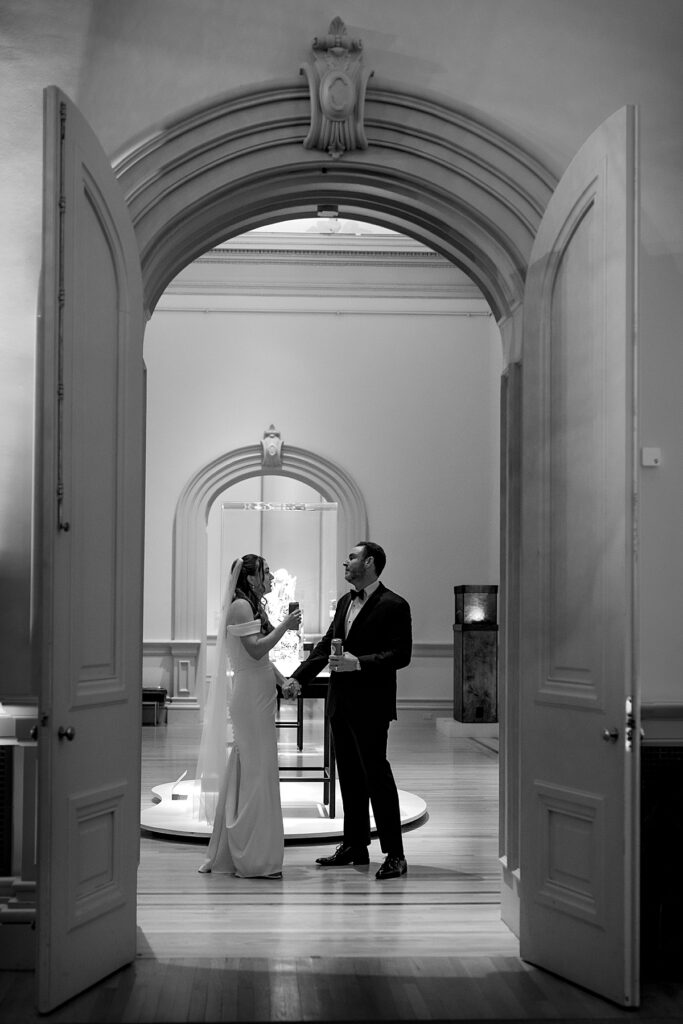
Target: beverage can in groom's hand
<point x="337" y="647"/>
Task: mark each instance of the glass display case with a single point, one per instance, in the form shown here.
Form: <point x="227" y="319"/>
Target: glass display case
<point x="476" y="604"/>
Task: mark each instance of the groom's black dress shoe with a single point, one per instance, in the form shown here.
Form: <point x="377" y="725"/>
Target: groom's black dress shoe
<point x="345" y="855"/>
<point x="393" y="867"/>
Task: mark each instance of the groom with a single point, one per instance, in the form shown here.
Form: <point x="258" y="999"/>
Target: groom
<point x="375" y="626"/>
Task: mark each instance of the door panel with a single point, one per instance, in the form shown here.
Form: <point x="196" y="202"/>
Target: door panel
<point x="88" y="571"/>
<point x="579" y="870"/>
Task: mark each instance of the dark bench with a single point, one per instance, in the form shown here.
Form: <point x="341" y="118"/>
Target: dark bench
<point x="154" y="709"/>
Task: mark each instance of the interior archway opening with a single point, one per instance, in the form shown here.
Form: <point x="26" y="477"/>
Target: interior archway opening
<point x="467" y="308"/>
<point x="458" y="186"/>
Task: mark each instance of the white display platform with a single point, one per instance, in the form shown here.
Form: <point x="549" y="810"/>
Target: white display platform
<point x="303" y="812"/>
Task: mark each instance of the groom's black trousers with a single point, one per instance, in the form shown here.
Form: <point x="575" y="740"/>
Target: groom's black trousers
<point x="365" y="777"/>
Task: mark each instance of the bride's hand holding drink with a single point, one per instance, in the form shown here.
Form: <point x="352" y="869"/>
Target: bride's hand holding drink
<point x="294" y="616"/>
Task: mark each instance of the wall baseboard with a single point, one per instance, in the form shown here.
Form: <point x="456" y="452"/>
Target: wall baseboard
<point x="431" y="707"/>
<point x="175" y="664"/>
<point x="662" y="724"/>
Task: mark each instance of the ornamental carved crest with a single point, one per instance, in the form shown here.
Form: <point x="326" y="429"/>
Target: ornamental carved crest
<point x="337" y="82"/>
<point x="271" y="448"/>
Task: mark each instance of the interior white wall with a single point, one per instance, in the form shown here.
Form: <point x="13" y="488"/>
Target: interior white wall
<point x="407" y="404"/>
<point x="546" y="72"/>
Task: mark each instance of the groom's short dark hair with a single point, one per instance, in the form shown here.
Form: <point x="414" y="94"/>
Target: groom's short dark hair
<point x="377" y="553"/>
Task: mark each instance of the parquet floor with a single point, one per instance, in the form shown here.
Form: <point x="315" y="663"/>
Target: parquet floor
<point x="335" y="945"/>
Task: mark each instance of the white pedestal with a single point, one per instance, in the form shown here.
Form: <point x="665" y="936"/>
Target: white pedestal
<point x="303" y="813"/>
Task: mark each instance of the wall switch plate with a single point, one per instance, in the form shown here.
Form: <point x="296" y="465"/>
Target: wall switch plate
<point x="651" y="456"/>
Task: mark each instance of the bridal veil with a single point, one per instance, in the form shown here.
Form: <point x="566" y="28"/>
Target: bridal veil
<point x="213" y="744"/>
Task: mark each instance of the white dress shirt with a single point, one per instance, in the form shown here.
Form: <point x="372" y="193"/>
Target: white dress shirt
<point x="356" y="605"/>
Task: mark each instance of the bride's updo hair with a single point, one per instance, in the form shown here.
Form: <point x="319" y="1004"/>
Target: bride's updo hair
<point x="252" y="565"/>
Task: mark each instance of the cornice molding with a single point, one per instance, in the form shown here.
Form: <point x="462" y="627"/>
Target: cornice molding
<point x="311" y="289"/>
<point x="330" y="243"/>
<point x="263" y="307"/>
<point x="341" y="255"/>
<point x="244" y="270"/>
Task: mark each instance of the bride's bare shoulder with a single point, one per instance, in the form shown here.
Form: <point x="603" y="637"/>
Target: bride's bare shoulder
<point x="240" y="611"/>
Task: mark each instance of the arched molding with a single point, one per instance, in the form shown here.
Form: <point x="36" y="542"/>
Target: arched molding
<point x="199" y="494"/>
<point x="430" y="171"/>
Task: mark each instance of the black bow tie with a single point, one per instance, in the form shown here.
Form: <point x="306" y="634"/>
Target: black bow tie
<point x="360" y="594"/>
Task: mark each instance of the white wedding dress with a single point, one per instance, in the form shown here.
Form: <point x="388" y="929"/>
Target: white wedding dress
<point x="248" y="833"/>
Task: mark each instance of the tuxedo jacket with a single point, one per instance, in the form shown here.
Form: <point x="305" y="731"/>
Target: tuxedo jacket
<point x="381" y="638"/>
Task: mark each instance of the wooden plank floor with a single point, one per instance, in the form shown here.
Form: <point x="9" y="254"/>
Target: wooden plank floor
<point x="336" y="945"/>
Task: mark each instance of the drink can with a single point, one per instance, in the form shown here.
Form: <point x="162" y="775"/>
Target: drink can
<point x="337" y="647"/>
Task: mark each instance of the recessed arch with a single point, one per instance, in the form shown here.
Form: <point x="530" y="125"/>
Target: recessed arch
<point x="430" y="171"/>
<point x="199" y="494"/>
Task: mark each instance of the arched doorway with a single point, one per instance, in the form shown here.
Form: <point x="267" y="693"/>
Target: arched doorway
<point x="432" y="172"/>
<point x="190" y="539"/>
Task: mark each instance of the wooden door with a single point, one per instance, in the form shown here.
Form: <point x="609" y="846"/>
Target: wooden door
<point x="579" y="760"/>
<point x="88" y="567"/>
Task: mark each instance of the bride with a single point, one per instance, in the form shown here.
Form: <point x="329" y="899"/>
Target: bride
<point x="242" y="797"/>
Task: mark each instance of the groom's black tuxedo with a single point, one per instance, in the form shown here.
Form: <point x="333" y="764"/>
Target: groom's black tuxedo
<point x="361" y="705"/>
<point x="381" y="639"/>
